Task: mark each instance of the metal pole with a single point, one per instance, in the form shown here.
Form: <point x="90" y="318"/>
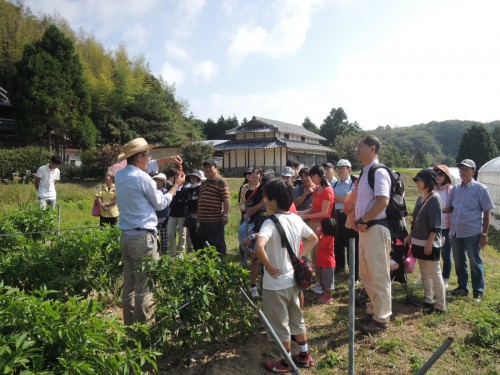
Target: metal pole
<point x="286" y="356"/>
<point x="352" y="300"/>
<point x="58" y="218"/>
<point x="435" y="356"/>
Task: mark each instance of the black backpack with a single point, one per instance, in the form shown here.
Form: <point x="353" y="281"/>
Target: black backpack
<point x="396" y="209"/>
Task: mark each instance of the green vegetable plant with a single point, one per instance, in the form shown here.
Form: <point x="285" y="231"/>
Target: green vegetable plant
<point x="198" y="301"/>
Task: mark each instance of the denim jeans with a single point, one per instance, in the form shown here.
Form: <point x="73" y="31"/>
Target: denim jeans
<point x="446" y="254"/>
<point x="469" y="246"/>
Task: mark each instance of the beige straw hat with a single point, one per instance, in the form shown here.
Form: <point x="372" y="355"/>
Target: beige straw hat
<point x="134" y="147"/>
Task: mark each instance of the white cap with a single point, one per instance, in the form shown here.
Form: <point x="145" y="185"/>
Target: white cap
<point x="344" y="163"/>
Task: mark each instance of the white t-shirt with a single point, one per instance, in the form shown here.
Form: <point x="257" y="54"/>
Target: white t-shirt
<point x="366" y="196"/>
<point x="48" y="178"/>
<point x="295" y="229"/>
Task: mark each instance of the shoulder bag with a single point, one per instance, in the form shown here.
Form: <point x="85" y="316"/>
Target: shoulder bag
<point x="302" y="268"/>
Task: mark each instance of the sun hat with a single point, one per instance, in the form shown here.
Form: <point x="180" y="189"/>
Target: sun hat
<point x="160" y="176"/>
<point x="344" y="163"/>
<point x="134" y="147"/>
<point x="426" y="175"/>
<point x="288" y="172"/>
<point x="467" y="163"/>
<point x="196" y="173"/>
<point x="443" y="168"/>
<point x="328" y="165"/>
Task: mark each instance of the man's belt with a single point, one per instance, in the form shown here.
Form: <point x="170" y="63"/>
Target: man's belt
<point x="152" y="231"/>
<point x="383" y="222"/>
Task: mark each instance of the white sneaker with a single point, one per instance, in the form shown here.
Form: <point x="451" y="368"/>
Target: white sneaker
<point x="446" y="282"/>
<point x="317" y="289"/>
<point x="254" y="293"/>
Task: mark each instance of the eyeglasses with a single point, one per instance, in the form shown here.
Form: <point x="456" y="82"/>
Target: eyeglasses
<point x="463" y="167"/>
<point x="440" y="173"/>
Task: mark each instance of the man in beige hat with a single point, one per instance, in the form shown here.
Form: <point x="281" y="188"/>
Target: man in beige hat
<point x="138" y="200"/>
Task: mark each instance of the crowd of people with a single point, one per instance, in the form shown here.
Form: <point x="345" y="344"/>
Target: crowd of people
<point x="318" y="212"/>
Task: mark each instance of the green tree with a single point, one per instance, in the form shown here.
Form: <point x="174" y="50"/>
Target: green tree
<point x="217" y="130"/>
<point x="421" y="159"/>
<point x="496" y="136"/>
<point x="477" y="144"/>
<point x="344" y="147"/>
<point x="309" y="125"/>
<point x="336" y="123"/>
<point x="51" y="100"/>
<point x="194" y="153"/>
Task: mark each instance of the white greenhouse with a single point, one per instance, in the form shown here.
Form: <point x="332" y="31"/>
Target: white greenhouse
<point x="489" y="174"/>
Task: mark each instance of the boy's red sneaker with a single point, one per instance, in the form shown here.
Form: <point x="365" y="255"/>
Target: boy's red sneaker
<point x="278" y="366"/>
<point x="326" y="301"/>
<point x="305" y="361"/>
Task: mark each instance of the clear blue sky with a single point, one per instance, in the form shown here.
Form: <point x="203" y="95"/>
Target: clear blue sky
<point x="386" y="62"/>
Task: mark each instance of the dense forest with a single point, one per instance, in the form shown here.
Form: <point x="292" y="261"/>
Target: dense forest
<point x="68" y="90"/>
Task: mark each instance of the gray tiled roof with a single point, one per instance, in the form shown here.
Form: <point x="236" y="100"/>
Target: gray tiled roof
<point x="296" y="145"/>
<point x="262" y="125"/>
<point x="269" y="143"/>
<point x="250" y="144"/>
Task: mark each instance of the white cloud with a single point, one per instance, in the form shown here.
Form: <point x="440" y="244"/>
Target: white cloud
<point x="205" y="69"/>
<point x="171" y="74"/>
<point x="286" y="35"/>
<point x="187" y="14"/>
<point x="175" y="51"/>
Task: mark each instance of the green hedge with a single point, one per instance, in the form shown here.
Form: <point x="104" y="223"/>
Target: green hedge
<point x="21" y="159"/>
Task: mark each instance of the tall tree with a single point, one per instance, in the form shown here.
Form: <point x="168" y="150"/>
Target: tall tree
<point x="336" y="123"/>
<point x="421" y="159"/>
<point x="51" y="100"/>
<point x="477" y="144"/>
<point x="309" y="125"/>
<point x="217" y="130"/>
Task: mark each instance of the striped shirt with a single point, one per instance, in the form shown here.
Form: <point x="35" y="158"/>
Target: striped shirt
<point x="212" y="195"/>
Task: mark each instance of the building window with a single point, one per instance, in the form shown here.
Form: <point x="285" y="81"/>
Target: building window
<point x="287" y="136"/>
<point x="314" y="160"/>
<point x="303" y="139"/>
<point x="72" y="162"/>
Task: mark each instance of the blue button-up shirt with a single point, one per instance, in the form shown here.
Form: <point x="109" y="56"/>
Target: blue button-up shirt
<point x="138" y="199"/>
<point x="341" y="188"/>
<point x="469" y="201"/>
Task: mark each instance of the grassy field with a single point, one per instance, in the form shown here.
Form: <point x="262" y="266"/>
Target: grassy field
<point x="403" y="349"/>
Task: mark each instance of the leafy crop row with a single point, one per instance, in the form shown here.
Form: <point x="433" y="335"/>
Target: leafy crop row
<point x="198" y="300"/>
<point x="39" y="335"/>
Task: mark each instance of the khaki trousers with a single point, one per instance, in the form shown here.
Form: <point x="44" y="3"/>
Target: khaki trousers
<point x="374" y="262"/>
<point x="432" y="281"/>
<point x="137" y="297"/>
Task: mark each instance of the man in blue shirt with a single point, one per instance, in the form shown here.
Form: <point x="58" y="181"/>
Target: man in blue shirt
<point x="470" y="205"/>
<point x="341" y="187"/>
<point x="138" y="200"/>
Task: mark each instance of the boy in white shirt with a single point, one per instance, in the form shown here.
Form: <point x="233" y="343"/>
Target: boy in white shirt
<point x="280" y="298"/>
<point x="45" y="182"/>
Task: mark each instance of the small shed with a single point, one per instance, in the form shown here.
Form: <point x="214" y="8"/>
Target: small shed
<point x="489" y="174"/>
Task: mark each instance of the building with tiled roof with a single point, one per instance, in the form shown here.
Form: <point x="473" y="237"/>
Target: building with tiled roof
<point x="269" y="144"/>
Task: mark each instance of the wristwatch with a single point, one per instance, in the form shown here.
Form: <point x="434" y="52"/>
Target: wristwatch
<point x="251" y="237"/>
<point x="360" y="221"/>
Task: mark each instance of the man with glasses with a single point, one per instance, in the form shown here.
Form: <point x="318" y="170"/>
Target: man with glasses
<point x="341" y="187"/>
<point x="138" y="200"/>
<point x="470" y="205"/>
<point x="374" y="236"/>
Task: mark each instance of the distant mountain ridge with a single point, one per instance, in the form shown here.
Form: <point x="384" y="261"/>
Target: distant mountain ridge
<point x="439" y="140"/>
